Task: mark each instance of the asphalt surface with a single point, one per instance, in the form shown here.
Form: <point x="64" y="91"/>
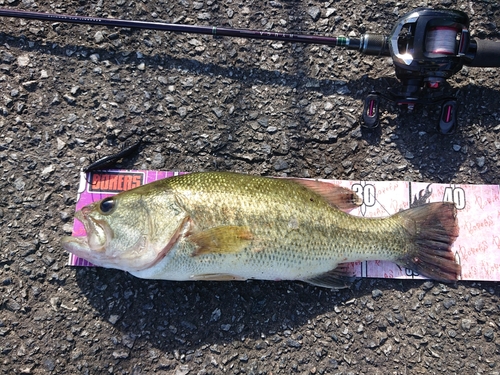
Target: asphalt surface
<point x="70" y="92"/>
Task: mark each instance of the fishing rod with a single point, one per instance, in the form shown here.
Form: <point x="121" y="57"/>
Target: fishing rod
<point x="427" y="47"/>
<point x="368" y="44"/>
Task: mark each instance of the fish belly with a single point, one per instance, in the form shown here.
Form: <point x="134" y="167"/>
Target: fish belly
<point x="288" y="258"/>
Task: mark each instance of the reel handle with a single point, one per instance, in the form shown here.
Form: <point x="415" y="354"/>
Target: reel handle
<point x="487" y="53"/>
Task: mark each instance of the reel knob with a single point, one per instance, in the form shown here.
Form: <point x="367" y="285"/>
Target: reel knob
<point x="448" y="118"/>
<point x="371" y="111"/>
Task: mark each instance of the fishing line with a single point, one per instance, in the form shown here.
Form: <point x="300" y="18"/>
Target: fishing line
<point x="441" y="40"/>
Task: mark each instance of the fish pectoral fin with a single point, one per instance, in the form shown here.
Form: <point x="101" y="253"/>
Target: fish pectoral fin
<point x="343" y="198"/>
<point x="221" y="240"/>
<point x="216" y="277"/>
<point x="339" y="278"/>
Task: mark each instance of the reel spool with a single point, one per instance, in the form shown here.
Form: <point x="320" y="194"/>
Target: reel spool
<point x="441" y="40"/>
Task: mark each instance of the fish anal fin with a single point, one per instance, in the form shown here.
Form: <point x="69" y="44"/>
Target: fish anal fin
<point x="221" y="240"/>
<point x="216" y="277"/>
<point x="339" y="278"/>
<point x="343" y="198"/>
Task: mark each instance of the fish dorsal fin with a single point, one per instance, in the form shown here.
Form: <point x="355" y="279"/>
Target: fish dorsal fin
<point x="339" y="278"/>
<point x="221" y="240"/>
<point x="343" y="198"/>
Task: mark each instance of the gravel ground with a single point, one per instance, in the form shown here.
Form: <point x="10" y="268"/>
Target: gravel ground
<point x="69" y="92"/>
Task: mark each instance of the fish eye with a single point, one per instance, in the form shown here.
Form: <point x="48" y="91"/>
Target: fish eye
<point x="107" y="205"/>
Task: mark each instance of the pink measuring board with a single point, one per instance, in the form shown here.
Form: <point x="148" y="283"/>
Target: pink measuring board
<point x="477" y="247"/>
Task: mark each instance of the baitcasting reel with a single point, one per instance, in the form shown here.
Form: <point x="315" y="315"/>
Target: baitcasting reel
<point x="427" y="47"/>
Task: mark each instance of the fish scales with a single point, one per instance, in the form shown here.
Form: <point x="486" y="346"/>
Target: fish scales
<point x="298" y="233"/>
<point x="235" y="226"/>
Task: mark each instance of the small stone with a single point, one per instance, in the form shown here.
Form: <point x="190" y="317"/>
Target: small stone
<point x="263" y="121"/>
<point x="12" y="305"/>
<point x="428" y="285"/>
<point x="466" y="324"/>
<point x="182" y="111"/>
<point x="449" y="302"/>
<point x="479" y="304"/>
<point x="312" y="109"/>
<point x="99" y="37"/>
<point x="7" y="57"/>
<point x="293" y="343"/>
<point x="64" y="216"/>
<point x="214" y="349"/>
<point x="280" y="165"/>
<point x="371" y="344"/>
<point x="23" y="60"/>
<point x="48" y="170"/>
<point x="343" y="90"/>
<point x="328" y="106"/>
<point x="376" y="293"/>
<point x="182" y="370"/>
<point x="55" y="100"/>
<point x="489" y="334"/>
<point x="70" y="99"/>
<point x="218" y="112"/>
<point x="60" y="144"/>
<point x="314" y="12"/>
<point x="49" y="364"/>
<point x="95" y="58"/>
<point x="158" y="161"/>
<point x="205" y="16"/>
<point x="67" y="228"/>
<point x="19" y="184"/>
<point x="216" y="314"/>
<point x="480" y="161"/>
<point x="72" y="118"/>
<point x="120" y="354"/>
<point x="330" y="11"/>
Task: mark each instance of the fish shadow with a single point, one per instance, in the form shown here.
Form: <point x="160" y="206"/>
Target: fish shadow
<point x="186" y="316"/>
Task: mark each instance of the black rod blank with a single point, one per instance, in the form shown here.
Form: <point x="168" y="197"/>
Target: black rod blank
<point x="350" y="43"/>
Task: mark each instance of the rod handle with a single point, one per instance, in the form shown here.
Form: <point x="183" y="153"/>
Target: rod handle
<point x="487" y="53"/>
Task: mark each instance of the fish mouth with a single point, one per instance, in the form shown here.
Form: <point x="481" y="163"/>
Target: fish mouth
<point x="92" y="246"/>
<point x="77" y="246"/>
<point x="96" y="248"/>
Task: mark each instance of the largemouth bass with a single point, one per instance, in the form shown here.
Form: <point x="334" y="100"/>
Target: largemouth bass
<point x="229" y="226"/>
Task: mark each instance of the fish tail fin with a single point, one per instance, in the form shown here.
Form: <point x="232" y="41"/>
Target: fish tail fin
<point x="433" y="228"/>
